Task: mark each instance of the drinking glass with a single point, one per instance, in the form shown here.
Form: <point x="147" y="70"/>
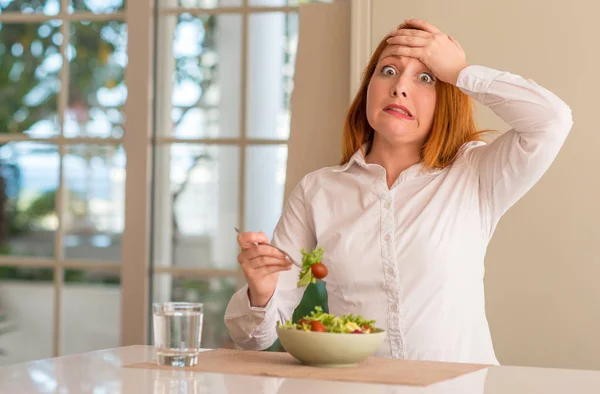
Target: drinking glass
<point x="177" y="332"/>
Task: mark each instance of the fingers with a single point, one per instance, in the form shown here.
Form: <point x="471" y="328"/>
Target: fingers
<point x="249" y="239"/>
<point x="262" y="251"/>
<point x="401" y="50"/>
<point x="422" y="25"/>
<point x="260" y="256"/>
<point x="411" y="33"/>
<point x="263" y="265"/>
<point x="456" y="43"/>
<point x="274" y="268"/>
<point x="263" y="262"/>
<point x="408" y="40"/>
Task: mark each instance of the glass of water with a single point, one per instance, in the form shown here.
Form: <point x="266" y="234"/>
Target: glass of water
<point x="177" y="332"/>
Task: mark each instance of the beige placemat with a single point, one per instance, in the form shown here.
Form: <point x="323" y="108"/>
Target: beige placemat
<point x="283" y="365"/>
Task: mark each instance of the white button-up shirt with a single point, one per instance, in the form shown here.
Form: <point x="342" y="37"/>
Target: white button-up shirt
<point x="411" y="257"/>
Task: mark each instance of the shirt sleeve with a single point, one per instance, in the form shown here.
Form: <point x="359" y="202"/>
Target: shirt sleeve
<point x="254" y="328"/>
<point x="539" y="121"/>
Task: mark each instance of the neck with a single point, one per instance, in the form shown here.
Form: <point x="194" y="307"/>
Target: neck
<point x="393" y="158"/>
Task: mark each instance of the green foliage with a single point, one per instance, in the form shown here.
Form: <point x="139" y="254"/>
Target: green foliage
<point x="30" y="64"/>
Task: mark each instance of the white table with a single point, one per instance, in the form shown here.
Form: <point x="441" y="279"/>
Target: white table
<point x="101" y="372"/>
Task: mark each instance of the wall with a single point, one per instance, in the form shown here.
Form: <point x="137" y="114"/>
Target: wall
<point x="321" y="89"/>
<point x="543" y="264"/>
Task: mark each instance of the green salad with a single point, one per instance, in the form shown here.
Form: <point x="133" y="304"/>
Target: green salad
<point x="324" y="322"/>
<point x="312" y="268"/>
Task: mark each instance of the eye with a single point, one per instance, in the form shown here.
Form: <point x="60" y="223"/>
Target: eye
<point x="426" y="78"/>
<point x="388" y="71"/>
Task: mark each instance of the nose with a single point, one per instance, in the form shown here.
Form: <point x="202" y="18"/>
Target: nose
<point x="395" y="91"/>
<point x="400" y="87"/>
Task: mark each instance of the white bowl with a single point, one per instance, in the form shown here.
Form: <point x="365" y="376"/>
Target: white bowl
<point x="327" y="349"/>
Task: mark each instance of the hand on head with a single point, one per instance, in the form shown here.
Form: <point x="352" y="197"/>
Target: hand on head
<point x="420" y="40"/>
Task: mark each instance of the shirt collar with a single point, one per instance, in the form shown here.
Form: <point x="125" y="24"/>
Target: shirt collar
<point x="358" y="157"/>
<point x="415" y="170"/>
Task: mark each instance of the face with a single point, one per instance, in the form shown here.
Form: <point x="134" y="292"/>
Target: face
<point x="401" y="99"/>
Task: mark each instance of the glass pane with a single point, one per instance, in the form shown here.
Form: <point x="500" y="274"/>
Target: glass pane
<point x="199" y="3"/>
<point x="196" y="206"/>
<point x="91" y="311"/>
<point x="283" y="3"/>
<point x="26" y="314"/>
<point x="30" y="63"/>
<point x="204" y="76"/>
<point x="97" y="6"/>
<point x="97" y="55"/>
<point x="267" y="3"/>
<point x="46" y="7"/>
<point x="272" y="43"/>
<point x="93" y="217"/>
<point x="29" y="179"/>
<point x="265" y="183"/>
<point x="215" y="293"/>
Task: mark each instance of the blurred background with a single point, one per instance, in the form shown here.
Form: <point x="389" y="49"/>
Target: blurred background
<point x="223" y="82"/>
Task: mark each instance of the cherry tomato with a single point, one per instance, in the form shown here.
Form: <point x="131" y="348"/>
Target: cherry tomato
<point x="317" y="326"/>
<point x="303" y="321"/>
<point x="357" y="332"/>
<point x="319" y="270"/>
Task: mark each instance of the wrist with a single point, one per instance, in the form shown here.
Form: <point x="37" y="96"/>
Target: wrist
<point x="456" y="74"/>
<point x="257" y="300"/>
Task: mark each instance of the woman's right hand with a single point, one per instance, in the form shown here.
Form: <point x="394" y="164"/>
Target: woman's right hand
<point x="261" y="265"/>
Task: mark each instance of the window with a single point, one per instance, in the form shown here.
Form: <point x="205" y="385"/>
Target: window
<point x="62" y="175"/>
<point x="224" y="80"/>
<point x="76" y="156"/>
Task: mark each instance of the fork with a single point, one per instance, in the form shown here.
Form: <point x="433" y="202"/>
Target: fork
<point x="281" y="250"/>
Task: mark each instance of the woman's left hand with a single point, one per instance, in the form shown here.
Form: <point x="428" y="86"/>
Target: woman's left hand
<point x="440" y="53"/>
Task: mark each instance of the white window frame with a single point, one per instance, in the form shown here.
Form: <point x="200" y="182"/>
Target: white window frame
<point x="136" y="246"/>
<point x="59" y="263"/>
<point x="136" y="254"/>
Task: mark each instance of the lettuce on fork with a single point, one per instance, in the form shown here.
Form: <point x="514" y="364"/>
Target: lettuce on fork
<point x="312" y="268"/>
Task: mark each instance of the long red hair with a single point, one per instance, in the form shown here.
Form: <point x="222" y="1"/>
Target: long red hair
<point x="453" y="123"/>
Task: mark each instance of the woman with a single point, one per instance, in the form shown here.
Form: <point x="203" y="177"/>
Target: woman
<point x="405" y="220"/>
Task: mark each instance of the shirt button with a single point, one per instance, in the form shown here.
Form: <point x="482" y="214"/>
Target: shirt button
<point x="386" y="205"/>
<point x="390" y="272"/>
<point x="394" y="308"/>
<point x="387" y="238"/>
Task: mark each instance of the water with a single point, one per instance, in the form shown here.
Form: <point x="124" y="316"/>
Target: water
<point x="177" y="333"/>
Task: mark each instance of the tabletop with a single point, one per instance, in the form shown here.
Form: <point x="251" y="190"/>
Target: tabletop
<point x="102" y="372"/>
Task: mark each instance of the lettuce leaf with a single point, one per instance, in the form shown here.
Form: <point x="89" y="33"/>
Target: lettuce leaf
<point x="306" y="277"/>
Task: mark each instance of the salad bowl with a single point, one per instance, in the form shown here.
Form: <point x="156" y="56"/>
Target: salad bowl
<point x="325" y="340"/>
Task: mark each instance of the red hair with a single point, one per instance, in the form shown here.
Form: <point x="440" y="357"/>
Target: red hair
<point x="453" y="123"/>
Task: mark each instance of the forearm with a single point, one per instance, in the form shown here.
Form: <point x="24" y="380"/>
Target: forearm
<point x="531" y="110"/>
<point x="540" y="122"/>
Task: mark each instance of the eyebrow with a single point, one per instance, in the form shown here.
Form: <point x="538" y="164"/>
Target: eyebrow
<point x="425" y="69"/>
<point x="392" y="55"/>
